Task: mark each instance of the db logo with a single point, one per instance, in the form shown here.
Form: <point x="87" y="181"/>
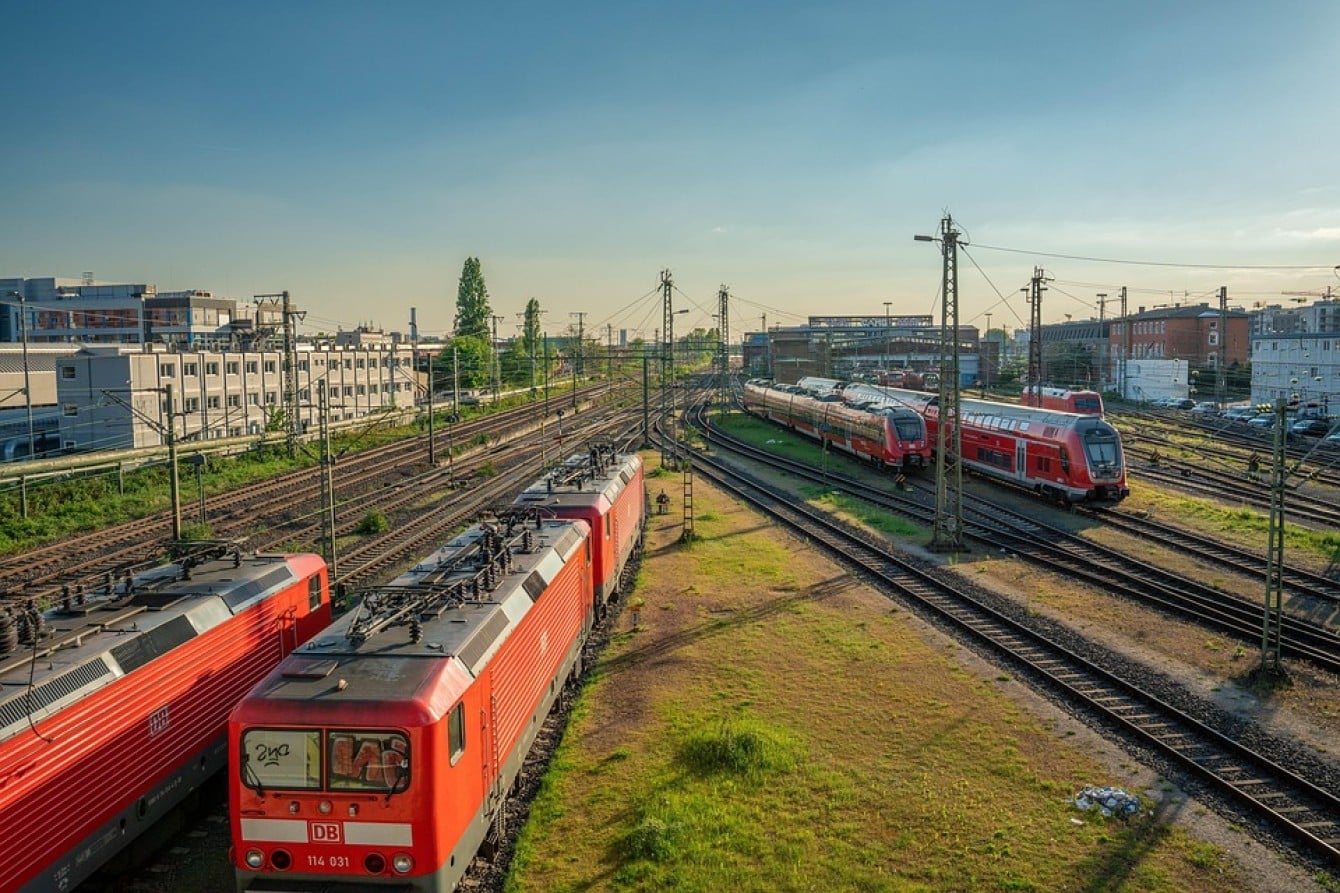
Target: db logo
<point x="324" y="832"/>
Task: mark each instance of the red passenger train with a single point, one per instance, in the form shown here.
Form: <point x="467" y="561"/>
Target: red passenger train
<point x="114" y="707"/>
<point x="380" y="754"/>
<point x="609" y="493"/>
<point x="1069" y="457"/>
<point x="887" y="434"/>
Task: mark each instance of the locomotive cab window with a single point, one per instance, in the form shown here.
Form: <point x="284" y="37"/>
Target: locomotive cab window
<point x="456" y="733"/>
<point x="281" y="758"/>
<point x="368" y="760"/>
<point x="314" y="592"/>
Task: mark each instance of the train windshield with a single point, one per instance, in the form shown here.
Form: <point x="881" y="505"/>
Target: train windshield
<point x="330" y="760"/>
<point x="1103" y="450"/>
<point x="910" y="428"/>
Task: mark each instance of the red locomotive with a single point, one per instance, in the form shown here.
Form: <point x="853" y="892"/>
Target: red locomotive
<point x="886" y="433"/>
<point x="609" y="493"/>
<point x="114" y="708"/>
<point x="380" y="754"/>
<point x="1064" y="400"/>
<point x="1069" y="457"/>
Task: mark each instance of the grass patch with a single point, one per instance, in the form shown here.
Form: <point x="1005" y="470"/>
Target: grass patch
<point x="773" y="727"/>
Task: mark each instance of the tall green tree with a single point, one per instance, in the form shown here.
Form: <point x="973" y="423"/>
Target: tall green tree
<point x="474" y="359"/>
<point x="473" y="313"/>
<point x="530" y="331"/>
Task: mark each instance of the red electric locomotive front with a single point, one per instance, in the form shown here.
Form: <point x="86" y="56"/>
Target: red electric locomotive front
<point x="1064" y="400"/>
<point x="114" y="707"/>
<point x="608" y="492"/>
<point x="380" y="754"/>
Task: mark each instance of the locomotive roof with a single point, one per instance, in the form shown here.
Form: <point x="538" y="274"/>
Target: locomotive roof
<point x="371" y="653"/>
<point x="111" y="635"/>
<point x="583" y="478"/>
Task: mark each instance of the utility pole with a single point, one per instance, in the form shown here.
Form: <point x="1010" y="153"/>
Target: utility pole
<point x="667" y="361"/>
<point x="947" y="534"/>
<point x="414" y="352"/>
<point x="646" y="393"/>
<point x="327" y="482"/>
<point x="581" y="335"/>
<point x="1104" y="369"/>
<point x="767" y="348"/>
<point x="986" y="365"/>
<point x="1035" y="291"/>
<point x="292" y="408"/>
<point x="1272" y="628"/>
<point x="494" y="352"/>
<point x="174" y="481"/>
<point x="1125" y="344"/>
<point x="1221" y="355"/>
<point x="723" y="335"/>
<point x="888" y="336"/>
<point x="27" y="386"/>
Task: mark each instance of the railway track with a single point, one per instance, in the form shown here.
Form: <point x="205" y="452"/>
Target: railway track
<point x="998" y="527"/>
<point x="1303" y="810"/>
<point x="96" y="560"/>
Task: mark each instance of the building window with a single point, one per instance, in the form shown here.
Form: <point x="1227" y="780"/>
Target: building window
<point x="67" y="372"/>
<point x="70" y="409"/>
<point x="231" y="367"/>
<point x="190" y="369"/>
<point x="191" y="404"/>
<point x="348" y="364"/>
<point x="271" y="398"/>
<point x="234" y="399"/>
<point x="269" y="367"/>
<point x="213" y="401"/>
<point x="235" y="431"/>
<point x="253" y="400"/>
<point x="362" y="390"/>
<point x="348" y="391"/>
<point x="167" y="370"/>
<point x="252" y="368"/>
<point x="302" y="365"/>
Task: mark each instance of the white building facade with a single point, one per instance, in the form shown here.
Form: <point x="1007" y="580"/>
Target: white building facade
<point x="116" y="397"/>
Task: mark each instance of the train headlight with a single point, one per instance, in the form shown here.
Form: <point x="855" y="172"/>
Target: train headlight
<point x="402" y="863"/>
<point x="255" y="858"/>
<point x="323" y="807"/>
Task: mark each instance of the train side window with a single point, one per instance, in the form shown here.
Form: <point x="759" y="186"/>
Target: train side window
<point x="313" y="592"/>
<point x="456" y="733"/>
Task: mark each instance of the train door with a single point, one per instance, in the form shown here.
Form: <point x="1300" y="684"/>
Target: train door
<point x="1021" y="459"/>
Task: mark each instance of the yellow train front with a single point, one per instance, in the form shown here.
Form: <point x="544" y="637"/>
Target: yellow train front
<point x="380" y="754"/>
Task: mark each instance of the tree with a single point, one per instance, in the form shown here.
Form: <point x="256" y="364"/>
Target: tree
<point x="474" y="359"/>
<point x="473" y="313"/>
<point x="530" y="333"/>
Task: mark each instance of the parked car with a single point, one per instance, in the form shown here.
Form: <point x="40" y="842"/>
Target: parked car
<point x="1309" y="428"/>
<point x="1239" y="413"/>
<point x="1205" y="407"/>
<point x="1264" y="421"/>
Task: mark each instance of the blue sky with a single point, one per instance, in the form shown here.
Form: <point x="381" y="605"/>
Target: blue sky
<point x="356" y="153"/>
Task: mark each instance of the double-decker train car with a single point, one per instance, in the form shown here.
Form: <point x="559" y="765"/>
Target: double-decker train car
<point x="888" y="434"/>
<point x="1066" y="456"/>
<point x="607" y="491"/>
<point x="380" y="754"/>
<point x="114" y="706"/>
<point x="1064" y="400"/>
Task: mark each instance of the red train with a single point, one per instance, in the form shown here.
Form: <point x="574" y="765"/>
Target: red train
<point x="114" y="708"/>
<point x="887" y="434"/>
<point x="608" y="492"/>
<point x="1065" y="400"/>
<point x="1069" y="457"/>
<point x="380" y="755"/>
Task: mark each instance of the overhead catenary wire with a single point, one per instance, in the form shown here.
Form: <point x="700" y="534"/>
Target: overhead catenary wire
<point x="1155" y="263"/>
